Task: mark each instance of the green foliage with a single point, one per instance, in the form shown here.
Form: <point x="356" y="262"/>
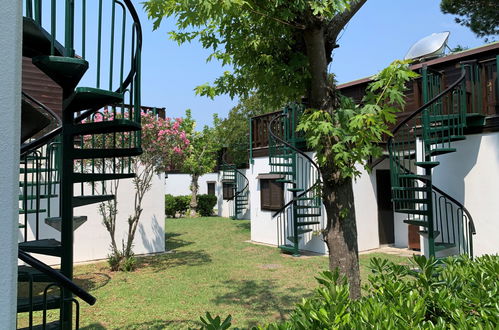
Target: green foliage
<point x="119" y="262"/>
<point x="481" y="16"/>
<point x="261" y="41"/>
<point x="210" y="323"/>
<point x="176" y="205"/>
<point x="206" y="203"/>
<point x="201" y="155"/>
<point x="350" y="134"/>
<point x="232" y="132"/>
<point x="458" y="293"/>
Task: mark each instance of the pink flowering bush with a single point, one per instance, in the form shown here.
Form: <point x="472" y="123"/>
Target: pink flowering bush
<point x="163" y="143"/>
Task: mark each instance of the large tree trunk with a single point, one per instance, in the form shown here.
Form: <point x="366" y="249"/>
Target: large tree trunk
<point x="341" y="231"/>
<point x="194" y="194"/>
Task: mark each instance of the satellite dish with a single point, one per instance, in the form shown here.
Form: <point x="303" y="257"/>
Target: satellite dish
<point x="430" y="46"/>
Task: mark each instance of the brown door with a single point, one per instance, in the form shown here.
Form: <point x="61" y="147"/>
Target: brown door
<point x="414" y="242"/>
<point x="385" y="207"/>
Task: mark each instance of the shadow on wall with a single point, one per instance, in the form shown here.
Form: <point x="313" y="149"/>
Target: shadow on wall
<point x="264" y="296"/>
<point x="454" y="167"/>
<point x="153" y="242"/>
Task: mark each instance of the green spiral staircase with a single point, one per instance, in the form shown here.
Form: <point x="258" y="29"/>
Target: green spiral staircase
<point x="301" y="216"/>
<point x="92" y="50"/>
<point x="431" y="131"/>
<point x="240" y="184"/>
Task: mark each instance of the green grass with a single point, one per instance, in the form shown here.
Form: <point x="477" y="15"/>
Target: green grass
<point x="210" y="267"/>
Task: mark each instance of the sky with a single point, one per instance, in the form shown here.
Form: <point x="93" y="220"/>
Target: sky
<point x="382" y="31"/>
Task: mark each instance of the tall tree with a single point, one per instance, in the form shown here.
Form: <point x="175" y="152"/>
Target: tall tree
<point x="481" y="16"/>
<point x="201" y="155"/>
<point x="281" y="50"/>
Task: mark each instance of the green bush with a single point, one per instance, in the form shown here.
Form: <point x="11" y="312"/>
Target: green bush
<point x="176" y="205"/>
<point x="458" y="293"/>
<point x="206" y="203"/>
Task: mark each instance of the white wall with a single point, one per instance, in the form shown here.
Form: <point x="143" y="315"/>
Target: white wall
<point x="471" y="176"/>
<point x="91" y="240"/>
<point x="179" y="184"/>
<point x="264" y="227"/>
<point x="10" y="119"/>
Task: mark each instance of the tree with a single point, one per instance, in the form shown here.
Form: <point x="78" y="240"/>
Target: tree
<point x="481" y="16"/>
<point x="201" y="156"/>
<point x="280" y="50"/>
<point x="232" y="132"/>
<point x="163" y="144"/>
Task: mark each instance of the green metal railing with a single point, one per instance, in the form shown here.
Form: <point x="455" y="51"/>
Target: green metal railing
<point x="301" y="216"/>
<point x="426" y="133"/>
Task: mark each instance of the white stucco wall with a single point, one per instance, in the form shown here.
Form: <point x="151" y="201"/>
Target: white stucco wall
<point x="471" y="176"/>
<point x="264" y="227"/>
<point x="91" y="240"/>
<point x="10" y="135"/>
<point x="179" y="184"/>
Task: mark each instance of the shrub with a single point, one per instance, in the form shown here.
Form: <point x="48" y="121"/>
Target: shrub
<point x="458" y="293"/>
<point x="176" y="205"/>
<point x="206" y="203"/>
<point x="170" y="209"/>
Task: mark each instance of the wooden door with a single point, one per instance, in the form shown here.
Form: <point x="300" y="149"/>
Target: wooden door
<point x="414" y="242"/>
<point x="385" y="207"/>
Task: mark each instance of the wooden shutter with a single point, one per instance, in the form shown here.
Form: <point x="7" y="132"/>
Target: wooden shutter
<point x="265" y="194"/>
<point x="271" y="194"/>
<point x="211" y="188"/>
<point x="228" y="191"/>
<point x="276" y="195"/>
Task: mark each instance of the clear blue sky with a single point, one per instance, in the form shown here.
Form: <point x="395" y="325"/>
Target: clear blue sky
<point x="383" y="30"/>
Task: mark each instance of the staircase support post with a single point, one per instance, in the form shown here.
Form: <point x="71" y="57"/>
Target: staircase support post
<point x="66" y="213"/>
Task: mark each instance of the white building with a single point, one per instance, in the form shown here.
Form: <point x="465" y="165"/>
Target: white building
<point x="435" y="191"/>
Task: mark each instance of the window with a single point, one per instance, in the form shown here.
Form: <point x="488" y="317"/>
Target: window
<point x="271" y="194"/>
<point x="228" y="190"/>
<point x="211" y="188"/>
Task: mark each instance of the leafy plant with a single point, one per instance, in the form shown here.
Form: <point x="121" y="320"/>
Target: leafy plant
<point x="206" y="203"/>
<point x="176" y="205"/>
<point x="455" y="293"/>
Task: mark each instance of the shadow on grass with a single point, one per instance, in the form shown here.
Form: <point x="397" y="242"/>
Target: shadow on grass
<point x="172" y="242"/>
<point x="246" y="226"/>
<point x="165" y="324"/>
<point x="174" y="259"/>
<point x="92" y="281"/>
<point x="94" y="326"/>
<point x="260" y="298"/>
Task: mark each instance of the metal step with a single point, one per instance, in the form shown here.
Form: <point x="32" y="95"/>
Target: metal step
<point x="56" y="222"/>
<point x="420" y="223"/>
<point x="440" y="151"/>
<point x="288" y="248"/>
<point x="65" y="71"/>
<point x="103" y="127"/>
<point x="90" y="199"/>
<point x="27" y="273"/>
<point x="89" y="177"/>
<point x="24" y="305"/>
<point x="427" y="164"/>
<point x="106" y="153"/>
<point x="443" y="246"/>
<point x="37" y="41"/>
<point x="445" y="139"/>
<point x="85" y="98"/>
<point x="41" y="196"/>
<point x="49" y="247"/>
<point x="296" y="189"/>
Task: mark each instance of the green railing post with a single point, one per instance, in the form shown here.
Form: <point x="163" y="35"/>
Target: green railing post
<point x="69" y="28"/>
<point x="250" y="141"/>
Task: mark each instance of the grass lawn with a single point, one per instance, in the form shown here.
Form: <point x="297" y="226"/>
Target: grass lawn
<point x="210" y="267"/>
